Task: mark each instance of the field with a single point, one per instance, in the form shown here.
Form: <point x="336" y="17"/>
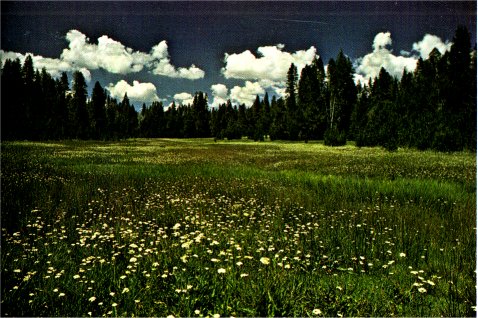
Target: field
<point x="203" y="228"/>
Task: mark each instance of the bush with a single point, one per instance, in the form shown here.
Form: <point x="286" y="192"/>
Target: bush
<point x="334" y="137"/>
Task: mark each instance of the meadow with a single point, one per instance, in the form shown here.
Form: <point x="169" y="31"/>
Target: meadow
<point x="193" y="227"/>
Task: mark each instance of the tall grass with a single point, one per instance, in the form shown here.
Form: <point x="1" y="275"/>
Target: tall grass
<point x="197" y="228"/>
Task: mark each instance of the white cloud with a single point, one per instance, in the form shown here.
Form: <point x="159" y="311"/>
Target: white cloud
<point x="161" y="64"/>
<point x="369" y="66"/>
<point x="246" y="94"/>
<point x="139" y="92"/>
<point x="428" y="43"/>
<point x="381" y="40"/>
<point x="272" y="64"/>
<point x="220" y="94"/>
<point x="109" y="55"/>
<point x="53" y="66"/>
<point x="183" y="98"/>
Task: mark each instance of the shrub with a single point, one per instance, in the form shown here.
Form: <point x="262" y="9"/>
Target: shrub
<point x="334" y="137"/>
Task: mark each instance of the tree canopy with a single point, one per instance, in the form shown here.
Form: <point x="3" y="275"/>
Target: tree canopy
<point x="433" y="107"/>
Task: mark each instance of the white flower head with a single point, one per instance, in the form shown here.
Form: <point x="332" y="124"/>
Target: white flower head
<point x="422" y="290"/>
<point x="317" y="311"/>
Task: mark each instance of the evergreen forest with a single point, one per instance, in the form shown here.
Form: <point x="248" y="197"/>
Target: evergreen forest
<point x="433" y="107"/>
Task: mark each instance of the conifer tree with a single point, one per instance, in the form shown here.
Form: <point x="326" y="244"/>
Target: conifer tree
<point x="98" y="112"/>
<point x="78" y="111"/>
<point x="292" y="111"/>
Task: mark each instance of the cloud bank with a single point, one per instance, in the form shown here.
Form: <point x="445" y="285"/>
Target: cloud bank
<point x="109" y="55"/>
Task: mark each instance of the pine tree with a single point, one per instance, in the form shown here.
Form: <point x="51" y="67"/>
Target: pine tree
<point x="63" y="99"/>
<point x="13" y="107"/>
<point x="29" y="98"/>
<point x="278" y="124"/>
<point x="78" y="111"/>
<point x="342" y="99"/>
<point x="200" y="115"/>
<point x="292" y="111"/>
<point x="98" y="112"/>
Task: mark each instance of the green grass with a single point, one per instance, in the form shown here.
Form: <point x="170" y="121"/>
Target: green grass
<point x="179" y="227"/>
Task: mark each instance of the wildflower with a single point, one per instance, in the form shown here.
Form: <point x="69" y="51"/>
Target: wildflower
<point x="76" y="276"/>
<point x="112" y="294"/>
<point x="265" y="260"/>
<point x="123" y="277"/>
<point x="186" y="244"/>
<point x="216" y="316"/>
<point x="184" y="258"/>
<point x="430" y="283"/>
<point x="239" y="263"/>
<point x="221" y="270"/>
<point x="422" y="290"/>
<point x="17" y="271"/>
<point x="403" y="255"/>
<point x="170" y="316"/>
<point x="133" y="259"/>
<point x="125" y="290"/>
<point x="61" y="294"/>
<point x="317" y="311"/>
<point x="197" y="312"/>
<point x="114" y="304"/>
<point x="92" y="299"/>
<point x="339" y="288"/>
<point x="244" y="275"/>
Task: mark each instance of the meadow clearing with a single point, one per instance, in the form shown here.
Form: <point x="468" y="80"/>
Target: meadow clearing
<point x="201" y="228"/>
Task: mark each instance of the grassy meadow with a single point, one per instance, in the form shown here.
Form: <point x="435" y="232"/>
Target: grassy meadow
<point x="202" y="228"/>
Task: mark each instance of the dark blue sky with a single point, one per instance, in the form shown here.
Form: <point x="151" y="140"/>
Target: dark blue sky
<point x="200" y="33"/>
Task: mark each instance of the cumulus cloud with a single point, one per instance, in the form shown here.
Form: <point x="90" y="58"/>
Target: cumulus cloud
<point x="142" y="92"/>
<point x="381" y="40"/>
<point x="161" y="64"/>
<point x="428" y="43"/>
<point x="272" y="63"/>
<point x="109" y="55"/>
<point x="369" y="66"/>
<point x="183" y="98"/>
<point x="53" y="66"/>
<point x="246" y="94"/>
<point x="220" y="94"/>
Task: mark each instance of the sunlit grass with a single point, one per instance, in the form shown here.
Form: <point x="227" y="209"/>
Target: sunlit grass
<point x="203" y="228"/>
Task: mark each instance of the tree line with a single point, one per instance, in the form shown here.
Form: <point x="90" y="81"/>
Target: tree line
<point x="433" y="107"/>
